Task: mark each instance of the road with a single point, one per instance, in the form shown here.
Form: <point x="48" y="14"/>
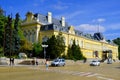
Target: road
<point x="79" y="71"/>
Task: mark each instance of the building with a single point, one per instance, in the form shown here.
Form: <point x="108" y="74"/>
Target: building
<point x="37" y="27"/>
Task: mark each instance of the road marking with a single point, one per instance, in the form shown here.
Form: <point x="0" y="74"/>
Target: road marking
<point x="104" y="78"/>
<point x="91" y="75"/>
<point x="76" y="73"/>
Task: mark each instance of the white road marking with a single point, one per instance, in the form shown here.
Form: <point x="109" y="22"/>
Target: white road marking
<point x="104" y="78"/>
<point x="76" y="73"/>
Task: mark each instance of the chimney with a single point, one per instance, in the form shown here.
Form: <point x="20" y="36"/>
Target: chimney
<point x="49" y="17"/>
<point x="63" y="21"/>
<point x="29" y="16"/>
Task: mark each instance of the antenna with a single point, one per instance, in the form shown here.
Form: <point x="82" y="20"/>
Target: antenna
<point x="98" y="27"/>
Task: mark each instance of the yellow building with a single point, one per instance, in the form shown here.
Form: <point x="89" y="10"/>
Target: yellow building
<point x="37" y="27"/>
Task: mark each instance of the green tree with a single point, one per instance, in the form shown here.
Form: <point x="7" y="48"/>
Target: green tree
<point x="117" y="41"/>
<point x="56" y="46"/>
<point x="3" y="21"/>
<point x="26" y="46"/>
<point x="16" y="37"/>
<point x="37" y="48"/>
<point x="69" y="53"/>
<point x="74" y="52"/>
<point x="1" y="11"/>
<point x="8" y="43"/>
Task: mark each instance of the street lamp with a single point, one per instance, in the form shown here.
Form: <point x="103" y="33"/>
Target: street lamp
<point x="44" y="46"/>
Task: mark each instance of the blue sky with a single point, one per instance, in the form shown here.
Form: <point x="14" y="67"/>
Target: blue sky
<point x="85" y="15"/>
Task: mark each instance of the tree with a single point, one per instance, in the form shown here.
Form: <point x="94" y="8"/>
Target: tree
<point x="1" y="11"/>
<point x="74" y="52"/>
<point x="37" y="48"/>
<point x="8" y="43"/>
<point x="3" y="21"/>
<point x="117" y="41"/>
<point x="26" y="46"/>
<point x="16" y="37"/>
<point x="11" y="37"/>
<point x="55" y="47"/>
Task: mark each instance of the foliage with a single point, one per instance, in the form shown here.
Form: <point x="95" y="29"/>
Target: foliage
<point x="8" y="40"/>
<point x="37" y="48"/>
<point x="55" y="47"/>
<point x="25" y="46"/>
<point x="16" y="35"/>
<point x="117" y="41"/>
<point x="11" y="37"/>
<point x="74" y="52"/>
<point x="2" y="24"/>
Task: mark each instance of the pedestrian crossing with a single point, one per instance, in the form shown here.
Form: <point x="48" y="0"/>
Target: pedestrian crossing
<point x="77" y="73"/>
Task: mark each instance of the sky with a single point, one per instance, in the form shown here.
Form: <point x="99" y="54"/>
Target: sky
<point x="88" y="16"/>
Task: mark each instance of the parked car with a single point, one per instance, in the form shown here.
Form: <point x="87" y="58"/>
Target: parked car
<point x="58" y="62"/>
<point x="95" y="63"/>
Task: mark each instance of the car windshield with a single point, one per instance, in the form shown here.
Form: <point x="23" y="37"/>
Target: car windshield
<point x="94" y="61"/>
<point x="56" y="60"/>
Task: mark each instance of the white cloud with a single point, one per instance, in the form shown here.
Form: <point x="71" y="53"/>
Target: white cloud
<point x="99" y="20"/>
<point x="90" y="28"/>
<point x="114" y="26"/>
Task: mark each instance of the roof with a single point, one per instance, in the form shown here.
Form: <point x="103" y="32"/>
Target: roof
<point x="57" y="25"/>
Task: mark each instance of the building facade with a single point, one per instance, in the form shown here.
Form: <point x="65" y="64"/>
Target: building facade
<point x="38" y="27"/>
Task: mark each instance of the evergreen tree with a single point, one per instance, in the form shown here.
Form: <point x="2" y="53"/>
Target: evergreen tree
<point x="16" y="38"/>
<point x="117" y="41"/>
<point x="74" y="52"/>
<point x="11" y="38"/>
<point x="3" y="21"/>
<point x="69" y="53"/>
<point x="51" y="49"/>
<point x="7" y="38"/>
<point x="56" y="46"/>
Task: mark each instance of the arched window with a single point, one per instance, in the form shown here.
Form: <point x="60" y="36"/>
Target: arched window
<point x="81" y="44"/>
<point x="71" y="42"/>
<point x="77" y="42"/>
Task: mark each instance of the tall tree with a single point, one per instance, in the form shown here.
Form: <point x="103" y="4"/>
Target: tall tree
<point x="117" y="41"/>
<point x="56" y="46"/>
<point x="3" y="21"/>
<point x="16" y="34"/>
<point x="74" y="52"/>
<point x="1" y="11"/>
<point x="8" y="46"/>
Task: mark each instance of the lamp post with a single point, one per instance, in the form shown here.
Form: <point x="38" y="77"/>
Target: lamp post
<point x="44" y="46"/>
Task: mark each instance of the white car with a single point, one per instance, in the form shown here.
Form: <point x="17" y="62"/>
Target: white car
<point x="95" y="63"/>
<point x="58" y="62"/>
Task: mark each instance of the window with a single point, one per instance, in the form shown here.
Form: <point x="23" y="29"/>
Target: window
<point x="71" y="41"/>
<point x="77" y="42"/>
<point x="44" y="39"/>
<point x="64" y="40"/>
